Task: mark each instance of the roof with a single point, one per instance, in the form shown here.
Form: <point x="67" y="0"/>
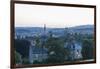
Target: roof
<point x="76" y="45"/>
<point x="37" y="50"/>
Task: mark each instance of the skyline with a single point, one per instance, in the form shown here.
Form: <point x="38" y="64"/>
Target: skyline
<point x="55" y="27"/>
<point x="52" y="16"/>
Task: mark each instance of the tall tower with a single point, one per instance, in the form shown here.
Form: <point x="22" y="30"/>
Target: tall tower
<point x="44" y="36"/>
<point x="44" y="30"/>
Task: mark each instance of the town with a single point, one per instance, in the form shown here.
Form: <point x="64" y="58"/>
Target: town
<point x="50" y="47"/>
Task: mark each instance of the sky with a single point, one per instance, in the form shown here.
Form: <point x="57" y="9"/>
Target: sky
<point x="53" y="16"/>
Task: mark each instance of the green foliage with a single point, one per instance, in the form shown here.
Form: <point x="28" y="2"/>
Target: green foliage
<point x="57" y="46"/>
<point x="87" y="48"/>
<point x="78" y="37"/>
<point x="25" y="61"/>
<point x="36" y="62"/>
<point x="17" y="57"/>
<point x="38" y="42"/>
<point x="22" y="46"/>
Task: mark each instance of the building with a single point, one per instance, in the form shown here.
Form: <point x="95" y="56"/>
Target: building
<point x="74" y="49"/>
<point x="38" y="53"/>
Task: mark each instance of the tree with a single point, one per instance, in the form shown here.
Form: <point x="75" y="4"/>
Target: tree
<point x="50" y="34"/>
<point x="22" y="46"/>
<point x="57" y="46"/>
<point x="38" y="41"/>
<point x="25" y="61"/>
<point x="17" y="58"/>
<point x="36" y="62"/>
<point x="87" y="48"/>
<point x="78" y="37"/>
<point x="66" y="34"/>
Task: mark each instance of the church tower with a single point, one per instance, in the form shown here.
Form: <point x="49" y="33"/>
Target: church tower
<point x="44" y="30"/>
<point x="44" y="36"/>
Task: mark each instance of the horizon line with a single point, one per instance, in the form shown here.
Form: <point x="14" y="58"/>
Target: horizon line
<point x="55" y="27"/>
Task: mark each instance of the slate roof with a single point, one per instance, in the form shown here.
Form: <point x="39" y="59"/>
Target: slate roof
<point x="37" y="50"/>
<point x="76" y="46"/>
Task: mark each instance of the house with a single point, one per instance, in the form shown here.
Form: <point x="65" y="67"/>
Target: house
<point x="74" y="49"/>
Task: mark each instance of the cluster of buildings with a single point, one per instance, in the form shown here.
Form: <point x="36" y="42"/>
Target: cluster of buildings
<point x="41" y="53"/>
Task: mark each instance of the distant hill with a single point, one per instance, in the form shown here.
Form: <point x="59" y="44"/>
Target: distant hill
<point x="82" y="26"/>
<point x="83" y="29"/>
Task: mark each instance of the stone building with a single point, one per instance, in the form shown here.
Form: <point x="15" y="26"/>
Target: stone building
<point x="38" y="53"/>
<point x="74" y="49"/>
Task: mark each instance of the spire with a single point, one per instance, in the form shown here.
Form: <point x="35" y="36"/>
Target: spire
<point x="44" y="30"/>
<point x="44" y="27"/>
<point x="44" y="36"/>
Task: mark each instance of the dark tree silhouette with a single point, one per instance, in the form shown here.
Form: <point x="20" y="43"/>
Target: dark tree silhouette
<point x="87" y="48"/>
<point x="56" y="46"/>
<point x="22" y="47"/>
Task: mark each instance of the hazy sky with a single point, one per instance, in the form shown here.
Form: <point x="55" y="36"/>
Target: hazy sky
<point x="52" y="16"/>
